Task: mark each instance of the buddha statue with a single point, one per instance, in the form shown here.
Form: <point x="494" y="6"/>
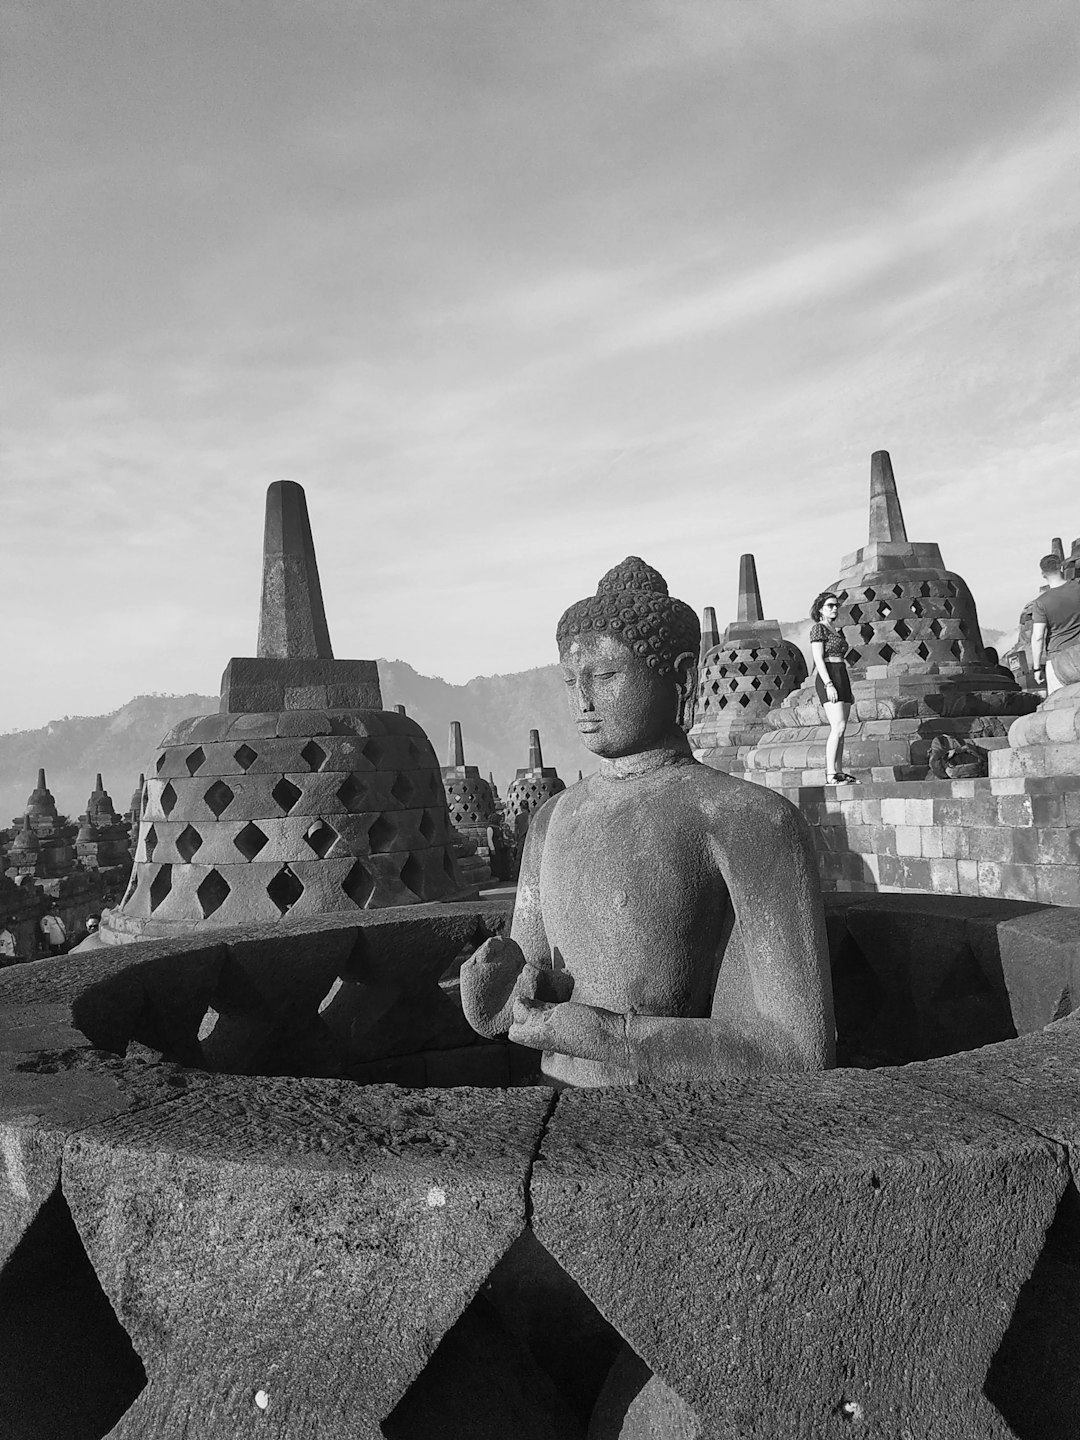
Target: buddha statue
<point x="668" y="923"/>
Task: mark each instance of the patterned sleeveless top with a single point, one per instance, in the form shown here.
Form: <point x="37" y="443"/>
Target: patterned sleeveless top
<point x="836" y="647"/>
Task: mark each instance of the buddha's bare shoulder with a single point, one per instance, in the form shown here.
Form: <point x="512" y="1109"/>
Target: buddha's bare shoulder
<point x="726" y="800"/>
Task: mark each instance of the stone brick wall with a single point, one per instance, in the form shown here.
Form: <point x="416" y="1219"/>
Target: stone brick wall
<point x="1005" y="838"/>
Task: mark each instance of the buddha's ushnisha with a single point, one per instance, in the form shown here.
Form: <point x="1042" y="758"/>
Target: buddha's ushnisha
<point x="668" y="922"/>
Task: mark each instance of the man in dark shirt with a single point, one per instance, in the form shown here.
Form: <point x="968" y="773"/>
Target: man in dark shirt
<point x="1055" y="630"/>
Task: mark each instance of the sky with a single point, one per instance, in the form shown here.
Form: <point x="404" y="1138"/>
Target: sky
<point x="515" y="290"/>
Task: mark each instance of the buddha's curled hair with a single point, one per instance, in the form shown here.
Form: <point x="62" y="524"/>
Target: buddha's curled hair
<point x="632" y="603"/>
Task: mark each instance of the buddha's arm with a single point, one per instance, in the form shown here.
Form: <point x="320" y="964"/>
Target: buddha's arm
<point x="502" y="971"/>
<point x="785" y="1021"/>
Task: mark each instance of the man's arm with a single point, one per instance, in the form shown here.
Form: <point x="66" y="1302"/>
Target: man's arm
<point x="1038" y="644"/>
<point x="778" y="1015"/>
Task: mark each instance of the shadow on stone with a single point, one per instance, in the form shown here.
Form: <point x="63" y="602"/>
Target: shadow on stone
<point x="529" y="1357"/>
<point x="1034" y="1380"/>
<point x="482" y="1382"/>
<point x="68" y="1370"/>
<point x="858" y="999"/>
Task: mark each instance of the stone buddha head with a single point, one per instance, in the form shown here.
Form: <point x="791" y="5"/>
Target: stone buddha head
<point x="629" y="659"/>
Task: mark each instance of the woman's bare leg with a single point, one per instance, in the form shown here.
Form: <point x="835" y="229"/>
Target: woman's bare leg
<point x="836" y="712"/>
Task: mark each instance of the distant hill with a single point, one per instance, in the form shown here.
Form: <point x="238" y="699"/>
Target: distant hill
<point x="496" y="713"/>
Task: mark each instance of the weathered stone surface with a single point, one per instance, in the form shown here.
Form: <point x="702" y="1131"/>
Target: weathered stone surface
<point x="851" y="1245"/>
<point x="672" y="912"/>
<point x="292" y="619"/>
<point x="301" y="797"/>
<point x="362" y="1221"/>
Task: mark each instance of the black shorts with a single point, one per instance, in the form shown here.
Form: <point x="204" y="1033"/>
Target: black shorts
<point x="838" y="674"/>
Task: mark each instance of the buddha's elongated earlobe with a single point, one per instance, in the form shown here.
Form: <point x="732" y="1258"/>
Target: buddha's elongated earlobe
<point x="686" y="677"/>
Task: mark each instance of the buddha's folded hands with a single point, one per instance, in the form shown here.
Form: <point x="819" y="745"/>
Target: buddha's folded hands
<point x="491" y="978"/>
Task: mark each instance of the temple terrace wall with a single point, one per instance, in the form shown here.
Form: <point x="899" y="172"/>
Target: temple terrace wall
<point x="1007" y="837"/>
<point x="892" y="1249"/>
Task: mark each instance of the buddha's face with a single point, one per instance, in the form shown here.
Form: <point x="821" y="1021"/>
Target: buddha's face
<point x="618" y="703"/>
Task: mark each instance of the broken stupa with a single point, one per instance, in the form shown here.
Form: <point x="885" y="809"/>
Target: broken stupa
<point x="302" y="796"/>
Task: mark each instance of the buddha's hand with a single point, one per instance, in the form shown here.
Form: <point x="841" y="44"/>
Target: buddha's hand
<point x="570" y="1028"/>
<point x="490" y="979"/>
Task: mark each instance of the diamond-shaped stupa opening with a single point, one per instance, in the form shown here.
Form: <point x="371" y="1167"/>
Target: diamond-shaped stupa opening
<point x="321" y="838"/>
<point x="160" y="886"/>
<point x="213" y="892"/>
<point x="188" y="843"/>
<point x="250" y="841"/>
<point x="402" y="789"/>
<point x="168" y="799"/>
<point x="351" y="793"/>
<point x="218" y="798"/>
<point x="313" y="755"/>
<point x="245" y="757"/>
<point x="285" y="794"/>
<point x="383" y="835"/>
<point x="358" y="885"/>
<point x="285" y="889"/>
<point x="196" y="760"/>
<point x="534" y="1356"/>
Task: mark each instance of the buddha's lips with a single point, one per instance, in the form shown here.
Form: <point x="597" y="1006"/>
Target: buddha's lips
<point x="588" y="724"/>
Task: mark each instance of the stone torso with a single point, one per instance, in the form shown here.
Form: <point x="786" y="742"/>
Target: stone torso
<point x="633" y="902"/>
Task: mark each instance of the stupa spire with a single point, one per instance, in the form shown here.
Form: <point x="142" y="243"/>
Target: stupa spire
<point x="886" y="517"/>
<point x="292" y="620"/>
<point x="457" y="744"/>
<point x="536" y="758"/>
<point x="749" y="594"/>
<point x="710" y="632"/>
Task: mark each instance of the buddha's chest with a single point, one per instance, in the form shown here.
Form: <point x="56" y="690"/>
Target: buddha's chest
<point x="633" y="903"/>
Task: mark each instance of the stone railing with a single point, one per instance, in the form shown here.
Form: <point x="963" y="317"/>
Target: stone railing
<point x="885" y="1251"/>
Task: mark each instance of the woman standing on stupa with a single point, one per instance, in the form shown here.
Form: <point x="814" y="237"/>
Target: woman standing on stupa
<point x="832" y="682"/>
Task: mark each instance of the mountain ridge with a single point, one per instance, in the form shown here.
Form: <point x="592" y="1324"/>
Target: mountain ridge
<point x="496" y="713"/>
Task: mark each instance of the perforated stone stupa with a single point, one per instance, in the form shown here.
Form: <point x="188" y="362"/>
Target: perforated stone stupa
<point x="468" y="794"/>
<point x="742" y="675"/>
<point x="302" y="796"/>
<point x="917" y="661"/>
<point x="530" y="788"/>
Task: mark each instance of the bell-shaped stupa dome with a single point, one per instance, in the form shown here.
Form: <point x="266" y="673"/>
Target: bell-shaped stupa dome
<point x="302" y="796"/>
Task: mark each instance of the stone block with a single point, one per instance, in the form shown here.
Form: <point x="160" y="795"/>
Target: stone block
<point x="818" y="1194"/>
<point x="943" y="877"/>
<point x="366" y="1218"/>
<point x="990" y="879"/>
<point x="1018" y="882"/>
<point x="1048" y="809"/>
<point x="305" y="697"/>
<point x="883" y="839"/>
<point x="949" y="811"/>
<point x="890" y="870"/>
<point x="967" y="872"/>
<point x="1057" y="885"/>
<point x="1072" y="807"/>
<point x="1007" y="785"/>
<point x="916" y="874"/>
<point x="986" y="844"/>
<point x="1015" y="810"/>
<point x="908" y="840"/>
<point x="894" y="812"/>
<point x="1055" y="847"/>
<point x="932" y="843"/>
